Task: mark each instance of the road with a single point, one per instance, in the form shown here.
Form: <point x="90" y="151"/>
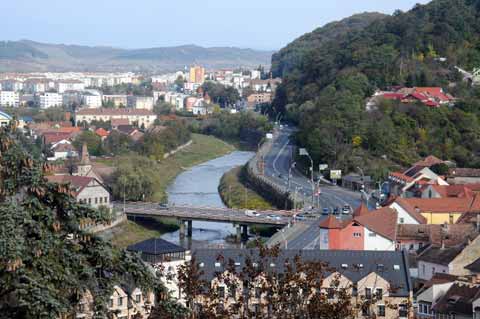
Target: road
<point x="277" y="165"/>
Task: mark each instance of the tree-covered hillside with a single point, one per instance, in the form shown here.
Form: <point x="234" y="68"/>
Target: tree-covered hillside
<point x="326" y="92"/>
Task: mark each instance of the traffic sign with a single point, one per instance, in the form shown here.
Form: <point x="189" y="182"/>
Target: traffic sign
<point x="335" y="174"/>
<point x="322" y="167"/>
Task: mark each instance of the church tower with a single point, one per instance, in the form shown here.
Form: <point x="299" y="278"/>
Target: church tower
<point x="84" y="167"/>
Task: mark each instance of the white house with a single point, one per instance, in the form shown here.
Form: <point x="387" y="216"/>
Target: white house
<point x="69" y="85"/>
<point x="50" y="99"/>
<point x="62" y="150"/>
<point x="407" y="214"/>
<point x="92" y="98"/>
<point x="4" y="119"/>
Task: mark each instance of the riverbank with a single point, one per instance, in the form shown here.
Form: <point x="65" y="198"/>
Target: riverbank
<point x="235" y="194"/>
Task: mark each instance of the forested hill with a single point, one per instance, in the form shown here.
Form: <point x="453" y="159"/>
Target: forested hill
<point x="325" y="92"/>
<point x="289" y="57"/>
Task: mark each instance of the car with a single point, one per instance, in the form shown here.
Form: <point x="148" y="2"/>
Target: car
<point x="346" y="209"/>
<point x="163" y="206"/>
<point x="336" y="211"/>
<point x="325" y="211"/>
<point x="251" y="213"/>
<point x="300" y="217"/>
<point x="273" y="217"/>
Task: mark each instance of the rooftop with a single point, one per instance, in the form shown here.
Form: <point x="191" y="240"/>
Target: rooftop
<point x="156" y="246"/>
<point x="113" y="112"/>
<point x="439" y="255"/>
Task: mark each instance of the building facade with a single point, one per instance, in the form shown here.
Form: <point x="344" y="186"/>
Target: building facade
<point x="136" y="117"/>
<point x="9" y="98"/>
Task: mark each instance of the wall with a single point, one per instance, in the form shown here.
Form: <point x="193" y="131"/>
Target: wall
<point x="425" y="269"/>
<point x="374" y="241"/>
<point x="347" y="240"/>
<point x="466" y="257"/>
<point x="402" y="213"/>
<point x="440" y="218"/>
<point x="92" y="192"/>
<point x="324" y="240"/>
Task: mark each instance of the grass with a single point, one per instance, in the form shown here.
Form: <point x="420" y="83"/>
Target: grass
<point x="236" y="195"/>
<point x="132" y="232"/>
<point x="203" y="149"/>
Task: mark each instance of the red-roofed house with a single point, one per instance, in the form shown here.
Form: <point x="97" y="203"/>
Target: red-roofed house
<point x="375" y="230"/>
<point x="102" y="133"/>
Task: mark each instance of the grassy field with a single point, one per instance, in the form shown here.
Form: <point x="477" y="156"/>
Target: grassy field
<point x="236" y="195"/>
<point x="132" y="232"/>
<point x="203" y="148"/>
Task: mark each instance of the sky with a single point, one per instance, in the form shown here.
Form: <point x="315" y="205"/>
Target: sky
<point x="257" y="24"/>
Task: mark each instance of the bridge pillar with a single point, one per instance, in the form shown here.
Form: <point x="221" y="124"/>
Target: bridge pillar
<point x="244" y="232"/>
<point x="189" y="229"/>
<point x="182" y="229"/>
<point x="239" y="233"/>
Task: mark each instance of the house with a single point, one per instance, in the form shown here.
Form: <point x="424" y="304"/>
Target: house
<point x="49" y="99"/>
<point x="102" y="133"/>
<point x="131" y="131"/>
<point x="414" y="237"/>
<point x="4" y="119"/>
<point x="164" y="256"/>
<point x="463" y="176"/>
<point x="443" y="191"/>
<point x="256" y="99"/>
<point x="361" y="273"/>
<point x="429" y="96"/>
<point x="448" y="260"/>
<point x="375" y="230"/>
<point x="431" y="292"/>
<point x="86" y="190"/>
<point x="63" y="150"/>
<point x="432" y="210"/>
<point x="460" y="301"/>
<point x="116" y="100"/>
<point x="140" y="102"/>
<point x="138" y="117"/>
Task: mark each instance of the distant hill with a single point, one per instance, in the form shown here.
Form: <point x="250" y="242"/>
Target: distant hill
<point x="291" y="56"/>
<point x="28" y="55"/>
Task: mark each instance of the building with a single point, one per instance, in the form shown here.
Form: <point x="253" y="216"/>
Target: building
<point x="448" y="260"/>
<point x="36" y="86"/>
<point x="12" y="85"/>
<point x="115" y="100"/>
<point x="463" y="176"/>
<point x="197" y="75"/>
<point x="140" y="102"/>
<point x="360" y="273"/>
<point x="50" y="99"/>
<point x="9" y="98"/>
<point x="164" y="255"/>
<point x="62" y="150"/>
<point x="4" y="119"/>
<point x="410" y="182"/>
<point x="429" y="96"/>
<point x="136" y="117"/>
<point x="92" y="98"/>
<point x="69" y="85"/>
<point x="269" y="85"/>
<point x="255" y="99"/>
<point x="86" y="190"/>
<point x="375" y="230"/>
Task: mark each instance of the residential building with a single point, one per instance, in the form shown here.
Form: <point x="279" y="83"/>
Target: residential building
<point x="69" y="85"/>
<point x="375" y="230"/>
<point x="9" y="98"/>
<point x="361" y="273"/>
<point x="62" y="150"/>
<point x="50" y="99"/>
<point x="136" y="117"/>
<point x="92" y="98"/>
<point x="463" y="176"/>
<point x="140" y="102"/>
<point x="116" y="100"/>
<point x="36" y="86"/>
<point x="410" y="182"/>
<point x="164" y="256"/>
<point x="448" y="260"/>
<point x="269" y="85"/>
<point x="431" y="292"/>
<point x="4" y="119"/>
<point x="12" y="85"/>
<point x="86" y="190"/>
<point x="197" y="74"/>
<point x="429" y="96"/>
<point x="444" y="191"/>
<point x="255" y="99"/>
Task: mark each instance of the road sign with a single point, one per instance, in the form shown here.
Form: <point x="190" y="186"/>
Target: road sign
<point x="322" y="167"/>
<point x="269" y="136"/>
<point x="335" y="174"/>
<point x="303" y="151"/>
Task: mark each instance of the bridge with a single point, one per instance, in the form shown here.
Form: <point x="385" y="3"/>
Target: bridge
<point x="187" y="214"/>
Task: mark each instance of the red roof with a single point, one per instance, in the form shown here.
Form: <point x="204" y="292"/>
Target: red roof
<point x="393" y="96"/>
<point x="361" y="210"/>
<point x="54" y="137"/>
<point x="331" y="223"/>
<point x="102" y="132"/>
<point x="429" y="161"/>
<point x="437" y="205"/>
<point x="382" y="221"/>
<point x="431" y="103"/>
<point x="77" y="183"/>
<point x="402" y="177"/>
<point x="453" y="190"/>
<point x="411" y="210"/>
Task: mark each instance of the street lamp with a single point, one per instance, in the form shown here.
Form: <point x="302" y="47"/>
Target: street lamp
<point x="304" y="152"/>
<point x="290" y="173"/>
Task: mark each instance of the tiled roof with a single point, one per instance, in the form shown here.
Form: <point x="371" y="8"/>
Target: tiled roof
<point x="382" y="221"/>
<point x="453" y="190"/>
<point x="361" y="210"/>
<point x="54" y="137"/>
<point x="452" y="235"/>
<point x="156" y="246"/>
<point x="78" y="183"/>
<point x="102" y="132"/>
<point x="331" y="222"/>
<point x="429" y="161"/>
<point x="410" y="209"/>
<point x="439" y="255"/>
<point x="464" y="172"/>
<point x="401" y="177"/>
<point x="457" y="300"/>
<point x="113" y="112"/>
<point x="390" y="265"/>
<point x="437" y="205"/>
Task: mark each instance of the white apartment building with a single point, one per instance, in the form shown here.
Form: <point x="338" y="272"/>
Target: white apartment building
<point x="50" y="99"/>
<point x="9" y="98"/>
<point x="117" y="100"/>
<point x="36" y="86"/>
<point x="92" y="98"/>
<point x="138" y="117"/>
<point x="12" y="85"/>
<point x="69" y="85"/>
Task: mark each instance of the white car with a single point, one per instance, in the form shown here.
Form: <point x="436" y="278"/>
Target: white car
<point x="251" y="213"/>
<point x="274" y="217"/>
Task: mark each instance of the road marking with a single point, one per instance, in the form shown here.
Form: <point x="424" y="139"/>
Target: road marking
<point x="277" y="157"/>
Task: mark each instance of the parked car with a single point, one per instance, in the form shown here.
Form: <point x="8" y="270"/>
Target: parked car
<point x="251" y="213"/>
<point x="325" y="211"/>
<point x="336" y="211"/>
<point x="273" y="217"/>
<point x="163" y="206"/>
<point x="346" y="209"/>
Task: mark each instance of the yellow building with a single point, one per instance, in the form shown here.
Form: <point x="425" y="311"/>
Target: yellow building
<point x="197" y="75"/>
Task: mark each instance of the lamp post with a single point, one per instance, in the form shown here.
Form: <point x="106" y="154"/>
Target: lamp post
<point x="290" y="173"/>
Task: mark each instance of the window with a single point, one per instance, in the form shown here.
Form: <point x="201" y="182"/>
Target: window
<point x="221" y="292"/>
<point x="89" y="201"/>
<point x="101" y="200"/>
<point x="402" y="220"/>
<point x="110" y="303"/>
<point x="368" y="293"/>
<point x="450" y="219"/>
<point x="402" y="311"/>
<point x="105" y="199"/>
<point x="381" y="311"/>
<point x="258" y="292"/>
<point x="120" y="301"/>
<point x="372" y="234"/>
<point x="366" y="311"/>
<point x="354" y="290"/>
<point x="379" y="293"/>
<point x="330" y="293"/>
<point x="357" y="235"/>
<point x="138" y="298"/>
<point x="423" y="269"/>
<point x="433" y="270"/>
<point x="96" y="200"/>
<point x="232" y="292"/>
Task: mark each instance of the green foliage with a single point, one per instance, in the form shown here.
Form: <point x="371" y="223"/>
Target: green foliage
<point x="117" y="143"/>
<point x="46" y="261"/>
<point x="93" y="141"/>
<point x="221" y="94"/>
<point x="134" y="178"/>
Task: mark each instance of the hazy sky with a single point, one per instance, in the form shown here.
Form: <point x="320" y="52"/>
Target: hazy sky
<point x="259" y="24"/>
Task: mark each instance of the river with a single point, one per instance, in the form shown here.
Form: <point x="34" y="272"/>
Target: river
<point x="198" y="186"/>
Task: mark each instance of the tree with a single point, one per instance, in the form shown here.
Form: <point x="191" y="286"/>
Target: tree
<point x="47" y="262"/>
<point x="93" y="141"/>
